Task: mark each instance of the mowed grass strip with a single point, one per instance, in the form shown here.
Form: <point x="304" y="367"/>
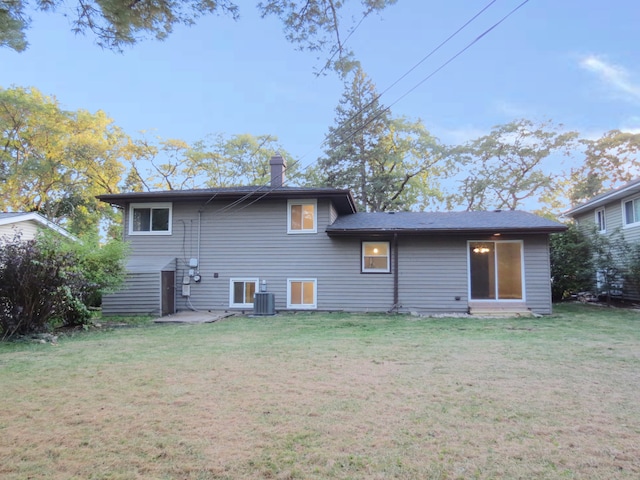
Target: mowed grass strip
<point x="316" y="396"/>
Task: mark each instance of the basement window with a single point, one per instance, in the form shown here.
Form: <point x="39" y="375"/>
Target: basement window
<point x="301" y="293"/>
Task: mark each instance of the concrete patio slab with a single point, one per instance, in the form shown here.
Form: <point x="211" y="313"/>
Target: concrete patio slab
<point x="195" y="317"/>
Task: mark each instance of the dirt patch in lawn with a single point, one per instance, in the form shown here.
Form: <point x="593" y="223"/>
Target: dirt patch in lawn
<point x="294" y="399"/>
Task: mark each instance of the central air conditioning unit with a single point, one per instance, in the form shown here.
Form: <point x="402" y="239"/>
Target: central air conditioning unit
<point x="264" y="304"/>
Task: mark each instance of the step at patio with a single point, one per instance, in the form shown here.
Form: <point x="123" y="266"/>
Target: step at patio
<point x="500" y="309"/>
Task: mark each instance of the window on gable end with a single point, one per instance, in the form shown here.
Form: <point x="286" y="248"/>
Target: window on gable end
<point x="600" y="220"/>
<point x="632" y="211"/>
<point x="302" y="216"/>
<point x="150" y="219"/>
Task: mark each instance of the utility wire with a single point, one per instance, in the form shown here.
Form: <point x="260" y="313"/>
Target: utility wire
<point x="451" y="59"/>
<point x="368" y="105"/>
<point x="426" y="57"/>
<point x="412" y="89"/>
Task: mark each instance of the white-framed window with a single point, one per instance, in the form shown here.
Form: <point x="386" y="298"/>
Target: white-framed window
<point x="242" y="292"/>
<point x="302" y="293"/>
<point x="302" y="216"/>
<point x="631" y="211"/>
<point x="376" y="257"/>
<point x="600" y="220"/>
<point x="150" y="219"/>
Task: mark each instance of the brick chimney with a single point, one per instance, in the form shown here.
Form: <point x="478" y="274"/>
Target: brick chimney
<point x="278" y="167"/>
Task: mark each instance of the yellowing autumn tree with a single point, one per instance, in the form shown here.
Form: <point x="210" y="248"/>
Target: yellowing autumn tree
<point x="55" y="161"/>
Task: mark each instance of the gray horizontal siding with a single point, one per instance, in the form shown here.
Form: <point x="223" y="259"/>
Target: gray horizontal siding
<point x="432" y="273"/>
<point x="538" y="274"/>
<point x="140" y="295"/>
<point x="251" y="241"/>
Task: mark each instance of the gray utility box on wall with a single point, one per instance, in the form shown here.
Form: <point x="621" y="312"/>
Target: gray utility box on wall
<point x="264" y="304"/>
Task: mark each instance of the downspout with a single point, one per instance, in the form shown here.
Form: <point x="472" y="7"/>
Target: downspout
<point x="199" y="232"/>
<point x="396" y="294"/>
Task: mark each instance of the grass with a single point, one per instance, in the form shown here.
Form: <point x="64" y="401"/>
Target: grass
<point x="315" y="396"/>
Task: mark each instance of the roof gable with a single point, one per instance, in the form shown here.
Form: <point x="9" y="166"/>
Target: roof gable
<point x="626" y="190"/>
<point x="14" y="218"/>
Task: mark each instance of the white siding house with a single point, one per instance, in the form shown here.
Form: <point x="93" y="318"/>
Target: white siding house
<point x="615" y="213"/>
<point x="27" y="225"/>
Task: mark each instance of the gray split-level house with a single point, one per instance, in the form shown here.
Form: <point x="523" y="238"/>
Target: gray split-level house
<point x="612" y="213"/>
<point x="309" y="249"/>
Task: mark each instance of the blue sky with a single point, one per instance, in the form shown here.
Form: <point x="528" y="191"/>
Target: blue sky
<point x="574" y="62"/>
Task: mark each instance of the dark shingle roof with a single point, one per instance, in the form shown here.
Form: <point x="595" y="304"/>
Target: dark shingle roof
<point x="504" y="221"/>
<point x="342" y="199"/>
<point x="625" y="190"/>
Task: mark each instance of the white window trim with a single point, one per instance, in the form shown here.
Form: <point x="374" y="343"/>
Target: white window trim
<point x="604" y="218"/>
<point x="624" y="212"/>
<point x="298" y="306"/>
<point x="313" y="202"/>
<point x="245" y="280"/>
<point x="376" y="270"/>
<point x="133" y="206"/>
<point x="523" y="276"/>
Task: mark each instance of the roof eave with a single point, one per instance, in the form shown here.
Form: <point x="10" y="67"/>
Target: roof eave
<point x="344" y="232"/>
<point x="342" y="198"/>
<point x="599" y="202"/>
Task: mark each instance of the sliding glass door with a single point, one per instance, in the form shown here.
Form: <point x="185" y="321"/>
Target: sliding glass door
<point x="495" y="270"/>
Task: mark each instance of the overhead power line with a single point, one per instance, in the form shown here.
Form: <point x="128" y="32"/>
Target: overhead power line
<point x="412" y="89"/>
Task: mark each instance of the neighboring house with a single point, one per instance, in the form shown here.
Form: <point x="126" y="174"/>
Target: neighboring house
<point x="613" y="213"/>
<point x="214" y="249"/>
<point x="27" y="225"/>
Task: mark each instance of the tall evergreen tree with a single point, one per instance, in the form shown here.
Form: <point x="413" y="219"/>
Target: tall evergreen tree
<point x="389" y="164"/>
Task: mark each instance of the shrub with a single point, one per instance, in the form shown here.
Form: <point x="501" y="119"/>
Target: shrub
<point x="39" y="285"/>
<point x="572" y="268"/>
<point x="102" y="264"/>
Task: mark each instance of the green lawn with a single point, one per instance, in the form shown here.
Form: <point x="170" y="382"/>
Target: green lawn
<point x="315" y="396"/>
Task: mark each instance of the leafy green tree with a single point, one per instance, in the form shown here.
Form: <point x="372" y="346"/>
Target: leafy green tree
<point x="572" y="268"/>
<point x="389" y="164"/>
<point x="510" y="165"/>
<point x="609" y="161"/>
<point x="114" y="23"/>
<point x="55" y="161"/>
<point x="217" y="161"/>
<point x="242" y="159"/>
<point x="160" y="165"/>
<point x="314" y="25"/>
